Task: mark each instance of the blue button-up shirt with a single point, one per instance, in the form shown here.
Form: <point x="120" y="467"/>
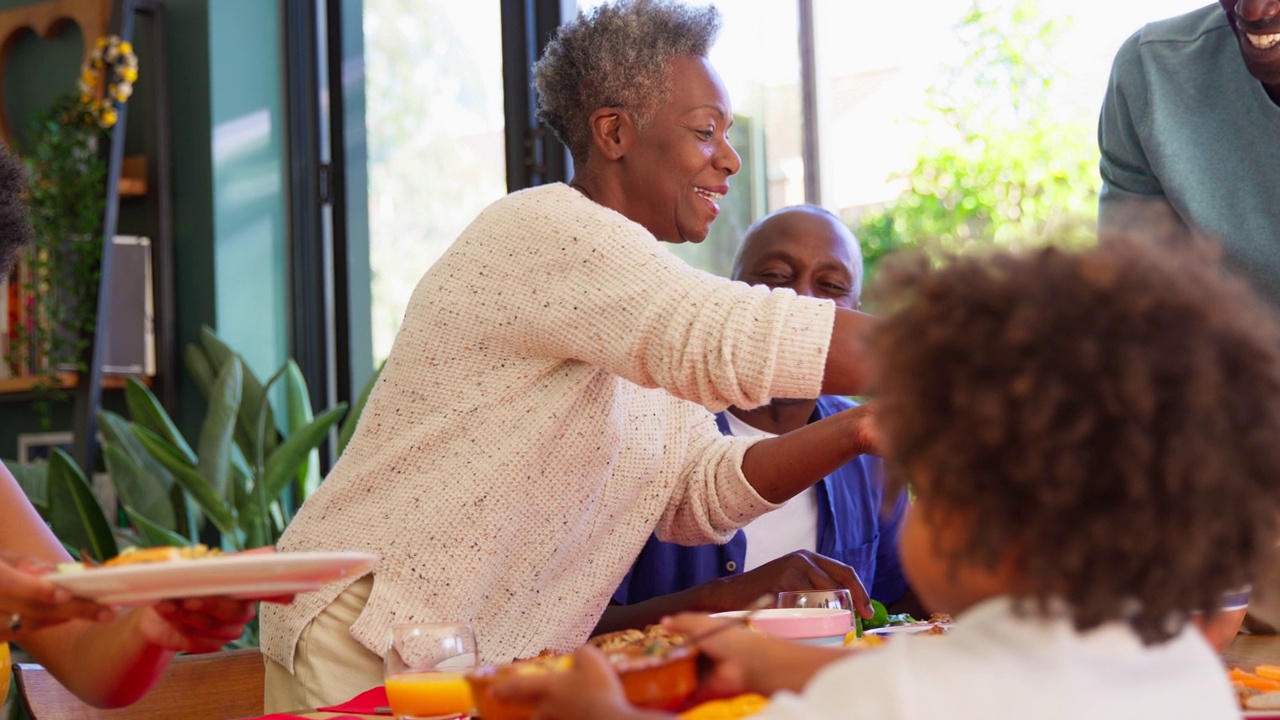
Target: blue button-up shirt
<point x="854" y="527"/>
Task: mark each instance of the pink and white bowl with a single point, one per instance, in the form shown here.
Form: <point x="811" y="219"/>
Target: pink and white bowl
<point x="808" y="624"/>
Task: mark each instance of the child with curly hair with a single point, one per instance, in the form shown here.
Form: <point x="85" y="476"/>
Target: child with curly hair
<point x="1091" y="439"/>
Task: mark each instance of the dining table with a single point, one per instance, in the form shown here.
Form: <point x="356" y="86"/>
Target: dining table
<point x="1245" y="652"/>
<point x="1249" y="651"/>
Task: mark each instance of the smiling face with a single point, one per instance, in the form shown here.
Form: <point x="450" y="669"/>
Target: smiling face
<point x="806" y="250"/>
<point x="674" y="176"/>
<point x="1257" y="27"/>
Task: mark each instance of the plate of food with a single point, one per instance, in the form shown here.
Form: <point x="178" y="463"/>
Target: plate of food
<point x="919" y="628"/>
<point x="147" y="576"/>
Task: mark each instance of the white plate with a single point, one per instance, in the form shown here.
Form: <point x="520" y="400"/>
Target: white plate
<point x="906" y="629"/>
<point x="251" y="575"/>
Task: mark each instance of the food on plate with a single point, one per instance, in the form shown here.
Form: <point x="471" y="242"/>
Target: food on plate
<point x="137" y="556"/>
<point x="739" y="706"/>
<point x="1258" y="690"/>
<point x="862" y="642"/>
<point x="656" y="666"/>
<point x="1261" y="701"/>
<point x="872" y="634"/>
<point x="882" y="618"/>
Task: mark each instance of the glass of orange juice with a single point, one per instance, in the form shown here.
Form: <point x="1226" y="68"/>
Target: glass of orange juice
<point x="426" y="665"/>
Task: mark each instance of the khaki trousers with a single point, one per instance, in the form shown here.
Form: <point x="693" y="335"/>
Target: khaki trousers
<point x="329" y="666"/>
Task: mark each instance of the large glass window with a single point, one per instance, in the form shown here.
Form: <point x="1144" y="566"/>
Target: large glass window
<point x="877" y="66"/>
<point x="435" y="112"/>
<point x="435" y="134"/>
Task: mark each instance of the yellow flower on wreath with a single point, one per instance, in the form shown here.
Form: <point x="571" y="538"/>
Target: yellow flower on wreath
<point x="117" y="55"/>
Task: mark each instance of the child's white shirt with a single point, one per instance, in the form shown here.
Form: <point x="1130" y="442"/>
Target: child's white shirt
<point x="994" y="664"/>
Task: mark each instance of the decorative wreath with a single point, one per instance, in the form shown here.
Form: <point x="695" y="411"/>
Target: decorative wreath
<point x="116" y="54"/>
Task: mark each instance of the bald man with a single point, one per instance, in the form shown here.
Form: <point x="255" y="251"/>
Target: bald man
<point x="840" y="532"/>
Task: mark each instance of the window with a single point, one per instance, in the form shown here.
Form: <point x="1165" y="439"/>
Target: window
<point x="435" y="134"/>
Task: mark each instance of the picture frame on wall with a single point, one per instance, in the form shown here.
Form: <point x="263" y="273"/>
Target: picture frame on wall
<point x="39" y="446"/>
<point x="33" y="447"/>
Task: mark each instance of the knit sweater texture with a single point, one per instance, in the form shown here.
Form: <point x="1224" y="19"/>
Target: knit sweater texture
<point x="545" y="407"/>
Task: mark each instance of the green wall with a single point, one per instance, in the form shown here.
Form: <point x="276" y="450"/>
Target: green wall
<point x="227" y="128"/>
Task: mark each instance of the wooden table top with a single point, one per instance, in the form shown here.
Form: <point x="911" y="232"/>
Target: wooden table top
<point x="1249" y="651"/>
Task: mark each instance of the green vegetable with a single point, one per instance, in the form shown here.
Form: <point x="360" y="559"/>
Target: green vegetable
<point x="900" y="619"/>
<point x="879" y="616"/>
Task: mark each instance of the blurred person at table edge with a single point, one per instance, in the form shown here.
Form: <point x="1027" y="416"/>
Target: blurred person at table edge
<point x="841" y="531"/>
<point x="107" y="657"/>
<point x="1063" y="445"/>
<point x="1190" y="129"/>
<point x="547" y="404"/>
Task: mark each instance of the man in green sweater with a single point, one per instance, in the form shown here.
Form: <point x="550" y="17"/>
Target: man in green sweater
<point x="1190" y="128"/>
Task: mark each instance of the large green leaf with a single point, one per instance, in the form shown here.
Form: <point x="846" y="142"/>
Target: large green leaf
<point x="139" y="489"/>
<point x="199" y="367"/>
<point x="283" y="464"/>
<point x="74" y="513"/>
<point x="349" y="424"/>
<point x="147" y="411"/>
<point x="213" y="456"/>
<point x="152" y="534"/>
<point x="213" y="504"/>
<point x="252" y="399"/>
<point x="190" y="518"/>
<point x="298" y="401"/>
<point x="261" y="428"/>
<point x="33" y="479"/>
<point x="118" y="432"/>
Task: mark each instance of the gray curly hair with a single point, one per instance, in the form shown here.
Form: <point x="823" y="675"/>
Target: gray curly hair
<point x="618" y="56"/>
<point x="15" y="219"/>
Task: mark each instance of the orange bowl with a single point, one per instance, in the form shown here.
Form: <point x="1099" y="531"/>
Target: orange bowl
<point x="653" y="682"/>
<point x="1221" y="627"/>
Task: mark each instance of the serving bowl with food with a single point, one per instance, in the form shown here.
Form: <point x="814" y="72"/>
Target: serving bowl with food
<point x="657" y="669"/>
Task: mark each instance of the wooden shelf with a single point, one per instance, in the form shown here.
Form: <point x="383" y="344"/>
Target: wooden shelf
<point x="133" y="176"/>
<point x="63" y="381"/>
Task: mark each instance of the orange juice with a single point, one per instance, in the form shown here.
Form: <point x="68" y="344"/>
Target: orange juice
<point x="4" y="671"/>
<point x="422" y="694"/>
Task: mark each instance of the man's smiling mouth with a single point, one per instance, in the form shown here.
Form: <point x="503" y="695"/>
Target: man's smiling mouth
<point x="1263" y="42"/>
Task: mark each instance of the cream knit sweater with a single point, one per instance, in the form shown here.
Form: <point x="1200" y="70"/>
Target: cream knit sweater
<point x="543" y="410"/>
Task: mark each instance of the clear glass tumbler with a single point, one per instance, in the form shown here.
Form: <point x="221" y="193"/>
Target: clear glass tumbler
<point x="426" y="667"/>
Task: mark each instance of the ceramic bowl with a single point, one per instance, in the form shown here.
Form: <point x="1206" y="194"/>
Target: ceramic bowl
<point x="653" y="682"/>
<point x="797" y="623"/>
<point x="1221" y="627"/>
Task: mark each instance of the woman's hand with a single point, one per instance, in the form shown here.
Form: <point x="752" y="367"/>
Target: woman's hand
<point x="587" y="691"/>
<point x="799" y="570"/>
<point x="29" y="602"/>
<point x="197" y="625"/>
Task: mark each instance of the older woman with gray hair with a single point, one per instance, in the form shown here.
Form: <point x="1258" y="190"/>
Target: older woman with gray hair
<point x="547" y="403"/>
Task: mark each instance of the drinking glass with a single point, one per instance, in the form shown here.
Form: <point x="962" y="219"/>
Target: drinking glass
<point x="426" y="665"/>
<point x="840" y="599"/>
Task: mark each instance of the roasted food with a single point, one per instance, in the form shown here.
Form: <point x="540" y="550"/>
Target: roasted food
<point x="657" y="669"/>
<point x="136" y="556"/>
